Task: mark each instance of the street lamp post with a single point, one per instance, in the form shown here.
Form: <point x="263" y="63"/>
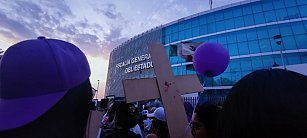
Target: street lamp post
<point x="97" y="89"/>
<point x="278" y="41"/>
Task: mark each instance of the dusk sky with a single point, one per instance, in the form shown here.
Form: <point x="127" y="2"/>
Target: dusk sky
<point x="95" y="26"/>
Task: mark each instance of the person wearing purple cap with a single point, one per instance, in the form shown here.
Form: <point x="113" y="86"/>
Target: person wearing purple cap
<point x="44" y="90"/>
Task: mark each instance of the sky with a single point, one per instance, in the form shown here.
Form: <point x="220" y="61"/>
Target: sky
<point x="95" y="26"/>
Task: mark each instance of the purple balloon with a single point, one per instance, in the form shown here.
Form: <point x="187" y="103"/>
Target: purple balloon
<point x="210" y="59"/>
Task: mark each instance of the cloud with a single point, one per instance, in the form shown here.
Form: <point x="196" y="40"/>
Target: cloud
<point x="109" y="10"/>
<point x="50" y="19"/>
<point x="18" y="29"/>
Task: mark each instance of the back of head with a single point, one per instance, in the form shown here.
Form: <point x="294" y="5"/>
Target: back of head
<point x="208" y="114"/>
<point x="124" y="117"/>
<point x="266" y="103"/>
<point x="43" y="81"/>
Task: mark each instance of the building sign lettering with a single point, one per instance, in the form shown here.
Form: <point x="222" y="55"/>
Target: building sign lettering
<point x="136" y="63"/>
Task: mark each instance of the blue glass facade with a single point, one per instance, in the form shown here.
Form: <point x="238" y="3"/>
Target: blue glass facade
<point x="246" y="30"/>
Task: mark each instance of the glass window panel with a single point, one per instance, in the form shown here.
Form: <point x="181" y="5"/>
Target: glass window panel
<point x="227" y="69"/>
<point x="285" y="29"/>
<point x="188" y="33"/>
<point x="301" y="2"/>
<point x="175" y="28"/>
<point x="267" y="5"/>
<point x="293" y="58"/>
<point x="195" y="22"/>
<point x="222" y="39"/>
<point x="203" y="20"/>
<point x="235" y="76"/>
<point x="187" y="24"/>
<point x="253" y="47"/>
<point x="251" y="34"/>
<point x="293" y="12"/>
<point x="262" y="33"/>
<point x="241" y="36"/>
<point x="290" y="3"/>
<point x="219" y="16"/>
<point x="231" y="38"/>
<point x="265" y="45"/>
<point x="281" y="14"/>
<point x="208" y="81"/>
<point x="303" y="57"/>
<point x="278" y="60"/>
<point x="298" y="28"/>
<point x="233" y="49"/>
<point x="210" y="18"/>
<point x="247" y="10"/>
<point x="229" y="24"/>
<point x="168" y="30"/>
<point x="195" y="31"/>
<point x="181" y="35"/>
<point x="274" y="45"/>
<point x="174" y="60"/>
<point x="301" y="41"/>
<point x="190" y="72"/>
<point x="180" y="26"/>
<point x="303" y="10"/>
<point x="167" y="48"/>
<point x="217" y="80"/>
<point x="175" y="37"/>
<point x="249" y="20"/>
<point x="167" y="39"/>
<point x="243" y="48"/>
<point x="278" y="4"/>
<point x="220" y="26"/>
<point x="211" y="28"/>
<point x="235" y="65"/>
<point x="212" y="39"/>
<point x="237" y="12"/>
<point x="259" y="18"/>
<point x="180" y="70"/>
<point x="257" y="63"/>
<point x="239" y="22"/>
<point x="288" y="42"/>
<point x="269" y="16"/>
<point x="226" y="79"/>
<point x="228" y="14"/>
<point x="305" y="24"/>
<point x="268" y="61"/>
<point x="273" y="30"/>
<point x="257" y="7"/>
<point x="246" y="64"/>
<point x="203" y="29"/>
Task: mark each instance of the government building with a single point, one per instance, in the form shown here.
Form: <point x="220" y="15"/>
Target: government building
<point x="254" y="32"/>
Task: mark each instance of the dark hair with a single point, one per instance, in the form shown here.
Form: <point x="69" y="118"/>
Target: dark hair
<point x="266" y="103"/>
<point x="160" y="128"/>
<point x="124" y="117"/>
<point x="68" y="118"/>
<point x="208" y="114"/>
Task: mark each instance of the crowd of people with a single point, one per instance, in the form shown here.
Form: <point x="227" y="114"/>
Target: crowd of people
<point x="265" y="103"/>
<point x="55" y="100"/>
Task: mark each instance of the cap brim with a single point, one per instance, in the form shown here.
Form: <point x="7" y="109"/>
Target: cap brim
<point x="19" y="112"/>
<point x="151" y="115"/>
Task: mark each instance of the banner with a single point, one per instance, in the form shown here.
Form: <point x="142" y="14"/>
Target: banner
<point x="187" y="49"/>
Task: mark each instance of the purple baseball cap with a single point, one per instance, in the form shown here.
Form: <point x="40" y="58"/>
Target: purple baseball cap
<point x="34" y="76"/>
